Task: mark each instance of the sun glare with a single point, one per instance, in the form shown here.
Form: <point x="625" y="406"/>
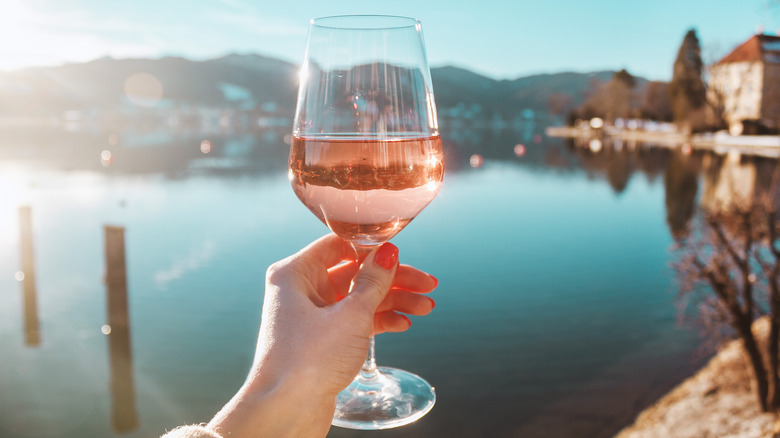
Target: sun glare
<point x="14" y="26"/>
<point x="35" y="40"/>
<point x="34" y="37"/>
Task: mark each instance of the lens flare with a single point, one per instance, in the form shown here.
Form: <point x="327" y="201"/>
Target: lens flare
<point x="143" y="89"/>
<point x="106" y="158"/>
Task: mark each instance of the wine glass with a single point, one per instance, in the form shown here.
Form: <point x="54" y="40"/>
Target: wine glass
<point x="366" y="158"/>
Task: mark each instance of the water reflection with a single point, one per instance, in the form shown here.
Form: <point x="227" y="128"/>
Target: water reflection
<point x="32" y="333"/>
<point x="681" y="184"/>
<point x="718" y="182"/>
<point x="617" y="162"/>
<point x="123" y="413"/>
<point x="148" y="149"/>
<point x="734" y="180"/>
<point x="179" y="153"/>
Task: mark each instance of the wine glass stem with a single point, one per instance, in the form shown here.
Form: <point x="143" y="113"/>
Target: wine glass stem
<point x="368" y="372"/>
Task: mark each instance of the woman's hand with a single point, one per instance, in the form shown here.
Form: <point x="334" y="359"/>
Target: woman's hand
<point x="320" y="309"/>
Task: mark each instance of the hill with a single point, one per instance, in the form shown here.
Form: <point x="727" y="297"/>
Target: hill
<point x="101" y="83"/>
<point x="248" y="81"/>
<point x="453" y="85"/>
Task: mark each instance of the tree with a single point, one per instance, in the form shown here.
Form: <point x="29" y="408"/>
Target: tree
<point x="687" y="92"/>
<point x="619" y="96"/>
<point x="655" y="102"/>
<point x="731" y="264"/>
<point x="559" y="103"/>
<point x="613" y="99"/>
<point x="625" y="78"/>
<point x="717" y="104"/>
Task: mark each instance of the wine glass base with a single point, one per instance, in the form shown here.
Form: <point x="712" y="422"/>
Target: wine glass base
<point x="390" y="398"/>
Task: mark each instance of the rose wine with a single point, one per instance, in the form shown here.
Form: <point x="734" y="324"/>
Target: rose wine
<point x="366" y="189"/>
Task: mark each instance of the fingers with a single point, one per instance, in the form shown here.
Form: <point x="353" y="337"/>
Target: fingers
<point x="384" y="288"/>
<point x="406" y="278"/>
<point x="387" y="320"/>
<point x="374" y="278"/>
<point x="414" y="280"/>
<point x="406" y="302"/>
<point x="328" y="250"/>
<point x="340" y="277"/>
<point x="390" y="322"/>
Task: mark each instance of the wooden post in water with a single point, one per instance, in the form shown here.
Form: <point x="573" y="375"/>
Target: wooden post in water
<point x="32" y="333"/>
<point x="123" y="413"/>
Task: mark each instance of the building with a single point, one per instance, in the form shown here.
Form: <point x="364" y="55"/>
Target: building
<point x="744" y="86"/>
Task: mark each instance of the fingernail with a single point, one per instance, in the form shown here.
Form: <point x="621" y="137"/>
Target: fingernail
<point x="386" y="256"/>
<point x="406" y="318"/>
<point x="435" y="281"/>
<point x="433" y="303"/>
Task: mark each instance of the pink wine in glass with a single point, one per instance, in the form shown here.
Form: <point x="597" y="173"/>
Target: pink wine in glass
<point x="366" y="189"/>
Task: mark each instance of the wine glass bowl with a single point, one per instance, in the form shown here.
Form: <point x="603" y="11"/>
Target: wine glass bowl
<point x="366" y="189"/>
<point x="366" y="159"/>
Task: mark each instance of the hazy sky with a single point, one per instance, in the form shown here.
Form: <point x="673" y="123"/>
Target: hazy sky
<point x="500" y="39"/>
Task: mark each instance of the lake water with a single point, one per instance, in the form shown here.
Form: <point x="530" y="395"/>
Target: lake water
<point x="555" y="313"/>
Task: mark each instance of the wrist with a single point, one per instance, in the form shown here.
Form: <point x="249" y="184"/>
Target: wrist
<point x="280" y="408"/>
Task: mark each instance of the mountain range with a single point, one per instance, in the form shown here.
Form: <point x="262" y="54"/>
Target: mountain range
<point x="249" y="81"/>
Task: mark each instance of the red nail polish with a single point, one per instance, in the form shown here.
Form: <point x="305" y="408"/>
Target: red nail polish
<point x="406" y="318"/>
<point x="386" y="256"/>
<point x="433" y="303"/>
<point x="435" y="281"/>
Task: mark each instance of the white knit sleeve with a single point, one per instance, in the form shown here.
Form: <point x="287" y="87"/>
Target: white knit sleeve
<point x="193" y="431"/>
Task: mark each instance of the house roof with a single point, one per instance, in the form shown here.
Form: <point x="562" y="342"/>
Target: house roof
<point x="759" y="47"/>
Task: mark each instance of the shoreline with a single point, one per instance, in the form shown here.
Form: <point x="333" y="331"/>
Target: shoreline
<point x="717" y="401"/>
<point x="719" y="142"/>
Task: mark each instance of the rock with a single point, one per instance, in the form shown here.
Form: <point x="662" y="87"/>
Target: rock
<point x="718" y="401"/>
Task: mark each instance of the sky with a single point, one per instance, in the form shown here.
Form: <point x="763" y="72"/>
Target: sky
<point x="501" y="39"/>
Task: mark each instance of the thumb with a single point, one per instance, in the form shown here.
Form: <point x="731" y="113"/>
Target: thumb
<point x="374" y="278"/>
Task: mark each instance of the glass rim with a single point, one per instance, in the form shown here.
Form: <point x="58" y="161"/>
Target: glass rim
<point x="361" y="22"/>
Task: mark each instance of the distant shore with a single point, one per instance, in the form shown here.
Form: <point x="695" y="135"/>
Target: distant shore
<point x="720" y="142"/>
